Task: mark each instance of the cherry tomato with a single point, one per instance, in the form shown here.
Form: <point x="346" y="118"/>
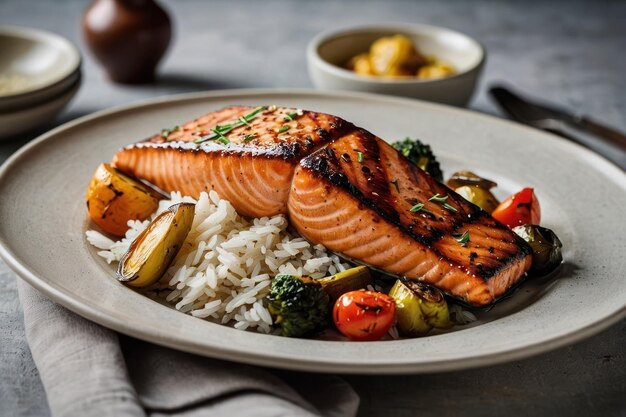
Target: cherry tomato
<point x="519" y="209"/>
<point x="364" y="315"/>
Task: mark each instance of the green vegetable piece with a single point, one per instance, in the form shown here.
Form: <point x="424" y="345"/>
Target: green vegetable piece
<point x="421" y="155"/>
<point x="349" y="280"/>
<point x="462" y="238"/>
<point x="419" y="308"/>
<point x="546" y="246"/>
<point x="298" y="305"/>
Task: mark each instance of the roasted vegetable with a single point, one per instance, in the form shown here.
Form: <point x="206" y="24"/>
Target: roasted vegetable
<point x="152" y="251"/>
<point x="421" y="155"/>
<point x="519" y="209"/>
<point x="395" y="56"/>
<point x="546" y="248"/>
<point x="481" y="197"/>
<point x="419" y="307"/>
<point x="114" y="198"/>
<point x="461" y="178"/>
<point x="349" y="280"/>
<point x="364" y="315"/>
<point x="361" y="64"/>
<point x="298" y="305"/>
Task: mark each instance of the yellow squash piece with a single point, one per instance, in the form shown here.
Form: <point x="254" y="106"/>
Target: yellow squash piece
<point x="153" y="250"/>
<point x="114" y="198"/>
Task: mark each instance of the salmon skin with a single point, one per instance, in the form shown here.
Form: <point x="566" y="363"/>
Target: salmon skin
<point x="341" y="187"/>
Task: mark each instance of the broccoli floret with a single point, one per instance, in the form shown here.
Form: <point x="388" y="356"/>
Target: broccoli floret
<point x="298" y="305"/>
<point x="421" y="155"/>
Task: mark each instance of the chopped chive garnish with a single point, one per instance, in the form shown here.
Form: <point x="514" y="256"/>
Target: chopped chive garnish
<point x="417" y="207"/>
<point x="291" y="116"/>
<point x="449" y="207"/>
<point x="283" y="129"/>
<point x="395" y="182"/>
<point x="220" y="131"/>
<point x="439" y="199"/>
<point x="166" y="132"/>
<point x="359" y="156"/>
<point x="420" y="207"/>
<point x="442" y="199"/>
<point x="462" y="239"/>
<point x="249" y="137"/>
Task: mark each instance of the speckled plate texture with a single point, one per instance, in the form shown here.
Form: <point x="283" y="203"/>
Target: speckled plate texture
<point x="43" y="220"/>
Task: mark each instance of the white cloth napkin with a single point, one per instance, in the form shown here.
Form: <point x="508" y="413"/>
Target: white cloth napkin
<point x="88" y="370"/>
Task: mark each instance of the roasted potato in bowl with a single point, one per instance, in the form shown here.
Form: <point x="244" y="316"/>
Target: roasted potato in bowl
<point x="114" y="198"/>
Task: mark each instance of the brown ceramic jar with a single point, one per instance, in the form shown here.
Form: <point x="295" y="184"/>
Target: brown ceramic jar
<point x="128" y="37"/>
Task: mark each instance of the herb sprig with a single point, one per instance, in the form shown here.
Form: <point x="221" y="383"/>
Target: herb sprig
<point x="443" y="201"/>
<point x="220" y="131"/>
<point x="166" y="132"/>
<point x="462" y="239"/>
<point x="420" y="207"/>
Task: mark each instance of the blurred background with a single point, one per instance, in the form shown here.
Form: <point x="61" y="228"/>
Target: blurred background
<point x="558" y="50"/>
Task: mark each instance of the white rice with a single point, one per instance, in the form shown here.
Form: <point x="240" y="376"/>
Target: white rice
<point x="225" y="272"/>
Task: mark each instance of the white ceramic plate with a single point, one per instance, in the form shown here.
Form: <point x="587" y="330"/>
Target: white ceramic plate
<point x="43" y="218"/>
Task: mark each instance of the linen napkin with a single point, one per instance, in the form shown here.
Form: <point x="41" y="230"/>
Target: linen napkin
<point x="88" y="370"/>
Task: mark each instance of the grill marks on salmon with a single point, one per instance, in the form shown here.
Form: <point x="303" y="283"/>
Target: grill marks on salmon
<point x="359" y="206"/>
<point x="355" y="208"/>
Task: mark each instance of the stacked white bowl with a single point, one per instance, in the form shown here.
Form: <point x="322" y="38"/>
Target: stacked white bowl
<point x="39" y="75"/>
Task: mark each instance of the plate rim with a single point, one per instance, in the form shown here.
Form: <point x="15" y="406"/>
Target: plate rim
<point x="93" y="314"/>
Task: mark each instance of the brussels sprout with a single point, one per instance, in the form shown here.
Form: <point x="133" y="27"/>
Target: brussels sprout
<point x="349" y="280"/>
<point x="461" y="178"/>
<point x="482" y="197"/>
<point x="419" y="308"/>
<point x="153" y="250"/>
<point x="546" y="248"/>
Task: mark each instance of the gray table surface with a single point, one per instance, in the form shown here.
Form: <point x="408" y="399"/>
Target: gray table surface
<point x="569" y="52"/>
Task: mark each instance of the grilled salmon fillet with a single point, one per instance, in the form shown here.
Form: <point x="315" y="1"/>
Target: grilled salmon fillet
<point x="253" y="172"/>
<point x="342" y="187"/>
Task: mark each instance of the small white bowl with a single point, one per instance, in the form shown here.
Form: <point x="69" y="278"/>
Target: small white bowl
<point x="29" y="118"/>
<point x="35" y="67"/>
<point x="328" y="52"/>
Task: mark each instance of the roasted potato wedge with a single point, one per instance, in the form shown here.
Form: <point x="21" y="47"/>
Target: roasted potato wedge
<point x="395" y="56"/>
<point x="153" y="250"/>
<point x="114" y="198"/>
